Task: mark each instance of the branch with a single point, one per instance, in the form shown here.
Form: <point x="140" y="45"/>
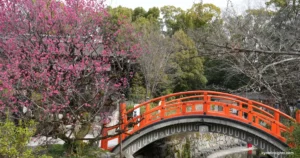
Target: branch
<point x="252" y="50"/>
<point x="275" y="63"/>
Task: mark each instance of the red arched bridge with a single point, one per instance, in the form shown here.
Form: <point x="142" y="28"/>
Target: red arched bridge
<point x="201" y="111"/>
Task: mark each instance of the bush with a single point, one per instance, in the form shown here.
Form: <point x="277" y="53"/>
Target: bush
<point x="87" y="151"/>
<point x="295" y="139"/>
<point x="14" y="140"/>
<point x="56" y="150"/>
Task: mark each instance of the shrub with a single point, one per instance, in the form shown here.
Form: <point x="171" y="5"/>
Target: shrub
<point x="86" y="151"/>
<point x="295" y="139"/>
<point x="14" y="140"/>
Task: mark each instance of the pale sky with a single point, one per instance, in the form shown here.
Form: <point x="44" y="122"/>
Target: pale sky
<point x="240" y="5"/>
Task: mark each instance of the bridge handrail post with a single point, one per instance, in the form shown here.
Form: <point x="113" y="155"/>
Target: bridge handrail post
<point x="123" y="120"/>
<point x="256" y="120"/>
<point x="162" y="109"/>
<point x="275" y="127"/>
<point x="183" y="106"/>
<point x="104" y="142"/>
<point x="178" y="109"/>
<point x="147" y="116"/>
<point x="240" y="111"/>
<point x="298" y="116"/>
<point x="226" y="110"/>
<point x="206" y="105"/>
<point x="250" y="113"/>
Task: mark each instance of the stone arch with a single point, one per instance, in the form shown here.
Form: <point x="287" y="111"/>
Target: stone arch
<point x="202" y="123"/>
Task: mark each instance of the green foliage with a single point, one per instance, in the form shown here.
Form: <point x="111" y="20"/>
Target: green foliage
<point x="172" y="16"/>
<point x="295" y="139"/>
<point x="138" y="12"/>
<point x="153" y="13"/>
<point x="137" y="90"/>
<point x="129" y="106"/>
<point x="146" y="26"/>
<point x="142" y="18"/>
<point x="120" y="13"/>
<point x="278" y="3"/>
<point x="14" y="140"/>
<point x="216" y="72"/>
<point x="93" y="151"/>
<point x="190" y="66"/>
<point x="141" y="22"/>
<point x="123" y="13"/>
<point x="58" y="151"/>
<point x="157" y="49"/>
<point x="185" y="70"/>
<point x="260" y="12"/>
<point x="186" y="152"/>
<point x="177" y="19"/>
<point x="145" y="21"/>
<point x="200" y="14"/>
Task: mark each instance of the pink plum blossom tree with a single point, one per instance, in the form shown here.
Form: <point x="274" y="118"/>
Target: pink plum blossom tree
<point x="64" y="62"/>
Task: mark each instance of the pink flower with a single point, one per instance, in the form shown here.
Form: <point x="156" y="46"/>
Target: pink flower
<point x="55" y="92"/>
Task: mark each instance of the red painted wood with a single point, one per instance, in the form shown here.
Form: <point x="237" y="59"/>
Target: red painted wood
<point x="200" y="103"/>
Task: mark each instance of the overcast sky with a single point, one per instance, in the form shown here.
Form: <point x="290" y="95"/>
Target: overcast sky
<point x="240" y="5"/>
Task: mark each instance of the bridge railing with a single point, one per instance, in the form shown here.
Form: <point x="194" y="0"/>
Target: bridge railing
<point x="209" y="103"/>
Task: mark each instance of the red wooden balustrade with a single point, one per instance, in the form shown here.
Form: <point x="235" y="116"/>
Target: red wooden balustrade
<point x="209" y="103"/>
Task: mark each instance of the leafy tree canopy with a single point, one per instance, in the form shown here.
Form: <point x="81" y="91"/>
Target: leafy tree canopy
<point x="190" y="66"/>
